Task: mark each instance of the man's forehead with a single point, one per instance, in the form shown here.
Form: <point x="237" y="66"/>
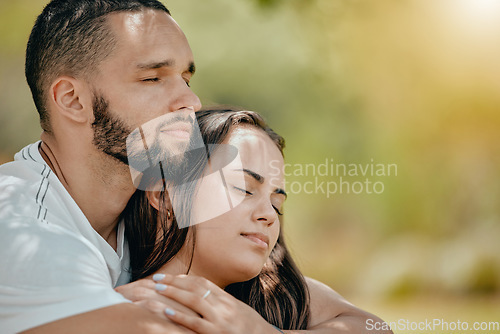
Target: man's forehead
<point x="131" y="25"/>
<point x="148" y="39"/>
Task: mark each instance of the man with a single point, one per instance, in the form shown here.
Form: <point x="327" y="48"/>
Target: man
<point x="97" y="70"/>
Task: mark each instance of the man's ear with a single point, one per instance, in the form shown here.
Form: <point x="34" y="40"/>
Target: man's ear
<point x="71" y="98"/>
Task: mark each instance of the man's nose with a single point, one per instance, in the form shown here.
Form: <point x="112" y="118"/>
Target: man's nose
<point x="186" y="99"/>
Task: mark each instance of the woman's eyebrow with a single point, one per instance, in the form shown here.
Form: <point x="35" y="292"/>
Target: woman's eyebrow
<point x="259" y="178"/>
<point x="256" y="176"/>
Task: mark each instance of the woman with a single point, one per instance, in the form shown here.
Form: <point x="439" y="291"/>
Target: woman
<point x="251" y="280"/>
<point x="249" y="258"/>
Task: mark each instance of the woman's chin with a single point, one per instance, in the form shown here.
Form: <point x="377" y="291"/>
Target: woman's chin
<point x="229" y="274"/>
<point x="247" y="274"/>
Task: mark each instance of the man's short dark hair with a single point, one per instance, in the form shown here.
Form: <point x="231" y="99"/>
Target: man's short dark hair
<point x="71" y="37"/>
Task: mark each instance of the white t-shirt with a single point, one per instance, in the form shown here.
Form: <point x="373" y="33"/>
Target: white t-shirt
<point x="53" y="264"/>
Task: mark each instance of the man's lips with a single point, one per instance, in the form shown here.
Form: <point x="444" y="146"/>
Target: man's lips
<point x="260" y="239"/>
<point x="181" y="130"/>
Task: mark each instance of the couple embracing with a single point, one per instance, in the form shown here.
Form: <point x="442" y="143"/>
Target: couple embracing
<point x="136" y="212"/>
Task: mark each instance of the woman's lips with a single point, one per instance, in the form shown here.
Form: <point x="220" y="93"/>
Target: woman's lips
<point x="260" y="239"/>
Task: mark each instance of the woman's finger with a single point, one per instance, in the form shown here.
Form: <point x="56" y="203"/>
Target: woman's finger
<point x="196" y="324"/>
<point x="193" y="301"/>
<point x="195" y="284"/>
<point x="144" y="293"/>
<point x="154" y="306"/>
<point x="138" y="290"/>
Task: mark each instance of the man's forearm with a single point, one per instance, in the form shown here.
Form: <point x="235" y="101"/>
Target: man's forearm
<point x="332" y="314"/>
<point x="343" y="324"/>
<point x="124" y="318"/>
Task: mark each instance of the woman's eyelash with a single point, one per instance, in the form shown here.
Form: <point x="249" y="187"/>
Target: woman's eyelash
<point x="277" y="211"/>
<point x="243" y="190"/>
<point x="249" y="193"/>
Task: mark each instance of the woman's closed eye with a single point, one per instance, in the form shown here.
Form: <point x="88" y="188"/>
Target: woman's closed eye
<point x="249" y="193"/>
<point x="155" y="79"/>
<point x="246" y="192"/>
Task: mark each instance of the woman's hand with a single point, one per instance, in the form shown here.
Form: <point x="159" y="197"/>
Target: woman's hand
<point x="144" y="293"/>
<point x="220" y="312"/>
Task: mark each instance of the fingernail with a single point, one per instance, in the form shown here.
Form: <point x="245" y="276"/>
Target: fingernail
<point x="160" y="287"/>
<point x="169" y="311"/>
<point x="158" y="277"/>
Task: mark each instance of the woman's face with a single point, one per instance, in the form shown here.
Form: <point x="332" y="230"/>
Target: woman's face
<point x="237" y="209"/>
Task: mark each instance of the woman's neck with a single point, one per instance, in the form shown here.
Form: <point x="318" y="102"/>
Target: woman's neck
<point x="178" y="266"/>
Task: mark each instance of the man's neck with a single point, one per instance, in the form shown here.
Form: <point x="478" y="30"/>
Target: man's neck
<point x="99" y="184"/>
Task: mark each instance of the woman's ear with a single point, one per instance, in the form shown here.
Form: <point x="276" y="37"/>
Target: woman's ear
<point x="154" y="198"/>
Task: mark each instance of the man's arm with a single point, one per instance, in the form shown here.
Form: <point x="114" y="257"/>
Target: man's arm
<point x="120" y="319"/>
<point x="332" y="314"/>
<point x="56" y="282"/>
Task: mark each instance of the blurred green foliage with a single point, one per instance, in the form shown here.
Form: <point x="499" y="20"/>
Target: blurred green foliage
<point x="413" y="83"/>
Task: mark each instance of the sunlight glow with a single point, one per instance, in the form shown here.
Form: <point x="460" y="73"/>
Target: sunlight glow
<point x="480" y="11"/>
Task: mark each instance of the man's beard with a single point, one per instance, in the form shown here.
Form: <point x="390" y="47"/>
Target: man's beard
<point x="110" y="133"/>
<point x="110" y="137"/>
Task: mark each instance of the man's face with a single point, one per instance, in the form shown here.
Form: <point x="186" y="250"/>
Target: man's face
<point x="142" y="83"/>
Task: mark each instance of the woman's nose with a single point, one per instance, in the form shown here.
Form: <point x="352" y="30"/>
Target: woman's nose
<point x="264" y="212"/>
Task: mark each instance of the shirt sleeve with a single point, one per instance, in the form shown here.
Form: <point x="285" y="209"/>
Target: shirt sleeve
<point x="48" y="273"/>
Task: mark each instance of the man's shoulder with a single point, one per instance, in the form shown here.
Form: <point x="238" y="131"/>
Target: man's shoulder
<point x="29" y="189"/>
<point x="15" y="172"/>
<point x="24" y="188"/>
<point x="27" y="167"/>
<point x="48" y="273"/>
<point x="34" y="203"/>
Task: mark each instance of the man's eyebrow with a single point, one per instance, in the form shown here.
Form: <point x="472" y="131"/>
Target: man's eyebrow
<point x="260" y="179"/>
<point x="166" y="63"/>
<point x="156" y="64"/>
